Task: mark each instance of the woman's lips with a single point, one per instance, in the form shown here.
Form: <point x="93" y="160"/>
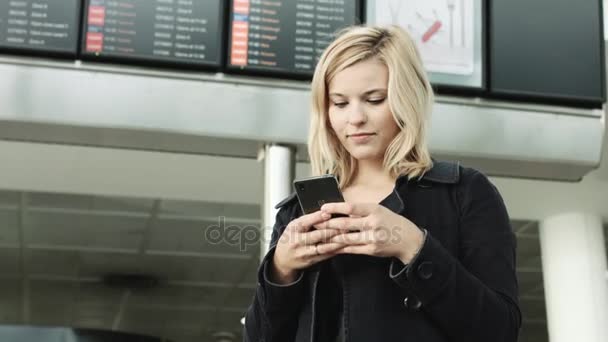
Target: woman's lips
<point x="361" y="138"/>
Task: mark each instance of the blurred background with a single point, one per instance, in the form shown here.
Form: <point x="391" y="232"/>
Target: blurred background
<point x="133" y="131"/>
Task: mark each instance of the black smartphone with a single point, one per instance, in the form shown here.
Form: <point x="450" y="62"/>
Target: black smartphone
<point x="313" y="192"/>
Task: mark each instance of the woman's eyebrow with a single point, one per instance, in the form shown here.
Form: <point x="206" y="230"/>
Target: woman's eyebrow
<point x="371" y="91"/>
<point x="375" y="90"/>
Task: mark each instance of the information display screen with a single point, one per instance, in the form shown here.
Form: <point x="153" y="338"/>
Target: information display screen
<point x="285" y="36"/>
<point x="562" y="60"/>
<point x="171" y="31"/>
<point x="448" y="33"/>
<point x="40" y="25"/>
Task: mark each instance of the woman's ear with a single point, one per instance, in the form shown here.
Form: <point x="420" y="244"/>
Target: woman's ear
<point x="400" y="123"/>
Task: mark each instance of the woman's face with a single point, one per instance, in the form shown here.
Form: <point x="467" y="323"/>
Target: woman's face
<point x="359" y="113"/>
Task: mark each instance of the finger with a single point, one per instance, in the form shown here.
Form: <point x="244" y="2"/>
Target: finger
<point x="317" y="236"/>
<point x="329" y="247"/>
<point x="345" y="224"/>
<point x="355" y="238"/>
<point x="329" y="250"/>
<point x="304" y="222"/>
<point x="357" y="209"/>
<point x="338" y="250"/>
<point x="356" y="249"/>
<point x="312" y="251"/>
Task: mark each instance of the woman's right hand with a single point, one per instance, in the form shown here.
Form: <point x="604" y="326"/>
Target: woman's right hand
<point x="301" y="245"/>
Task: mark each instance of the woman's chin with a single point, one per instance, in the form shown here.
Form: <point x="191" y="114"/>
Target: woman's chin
<point x="364" y="154"/>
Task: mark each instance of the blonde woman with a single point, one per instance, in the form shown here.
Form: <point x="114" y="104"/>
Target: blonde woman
<point x="426" y="252"/>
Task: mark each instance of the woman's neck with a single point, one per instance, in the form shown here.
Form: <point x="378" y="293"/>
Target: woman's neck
<point x="371" y="173"/>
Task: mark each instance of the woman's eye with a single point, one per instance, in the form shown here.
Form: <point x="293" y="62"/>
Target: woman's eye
<point x="375" y="101"/>
<point x="340" y="104"/>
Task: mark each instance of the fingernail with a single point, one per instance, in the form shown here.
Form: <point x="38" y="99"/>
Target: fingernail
<point x="325" y="216"/>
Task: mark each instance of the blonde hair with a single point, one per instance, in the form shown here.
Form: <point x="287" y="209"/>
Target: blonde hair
<point x="410" y="98"/>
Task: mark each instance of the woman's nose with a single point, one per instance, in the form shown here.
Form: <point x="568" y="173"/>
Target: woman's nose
<point x="356" y="115"/>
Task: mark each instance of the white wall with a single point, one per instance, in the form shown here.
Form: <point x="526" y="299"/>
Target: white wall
<point x="605" y="16"/>
<point x="538" y="199"/>
<point x="102" y="171"/>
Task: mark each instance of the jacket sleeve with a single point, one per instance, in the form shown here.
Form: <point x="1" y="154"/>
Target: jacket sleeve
<point x="273" y="315"/>
<point x="473" y="297"/>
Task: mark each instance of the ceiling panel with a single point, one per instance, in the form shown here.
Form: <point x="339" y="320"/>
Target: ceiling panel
<point x="525" y="227"/>
<point x="534" y="308"/>
<point x="606" y="234"/>
<point x="538" y="290"/>
<point x="9" y="262"/>
<point x="175" y="296"/>
<point x="517" y="225"/>
<point x="167" y="268"/>
<point x="534" y="332"/>
<point x="528" y="252"/>
<point x="205" y="281"/>
<point x="529" y="282"/>
<point x="53" y="263"/>
<point x="10" y="300"/>
<point x="83" y="231"/>
<point x="210" y="209"/>
<point x="9" y="233"/>
<point x="219" y="236"/>
<point x="51" y="313"/>
<point x="144" y="321"/>
<point x="186" y="324"/>
<point x="89" y="202"/>
<point x="531" y="262"/>
<point x="54" y="293"/>
<point x="9" y="198"/>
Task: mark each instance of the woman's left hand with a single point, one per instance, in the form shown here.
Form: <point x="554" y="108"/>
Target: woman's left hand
<point x="373" y="230"/>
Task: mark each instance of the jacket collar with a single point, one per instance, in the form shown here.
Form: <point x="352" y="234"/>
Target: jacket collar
<point x="441" y="172"/>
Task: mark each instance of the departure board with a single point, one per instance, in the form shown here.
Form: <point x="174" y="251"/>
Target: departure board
<point x="285" y="36"/>
<point x="171" y="31"/>
<point x="40" y="25"/>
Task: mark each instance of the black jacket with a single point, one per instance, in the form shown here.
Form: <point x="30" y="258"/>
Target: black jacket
<point x="461" y="286"/>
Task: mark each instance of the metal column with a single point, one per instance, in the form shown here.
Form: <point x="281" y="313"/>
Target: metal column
<point x="574" y="268"/>
<point x="279" y="171"/>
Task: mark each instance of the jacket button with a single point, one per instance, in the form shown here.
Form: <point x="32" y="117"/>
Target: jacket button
<point x="412" y="303"/>
<point x="425" y="270"/>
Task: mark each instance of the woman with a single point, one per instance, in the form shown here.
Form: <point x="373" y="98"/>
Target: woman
<point x="425" y="252"/>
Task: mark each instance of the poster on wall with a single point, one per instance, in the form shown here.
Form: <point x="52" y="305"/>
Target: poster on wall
<point x="442" y="29"/>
